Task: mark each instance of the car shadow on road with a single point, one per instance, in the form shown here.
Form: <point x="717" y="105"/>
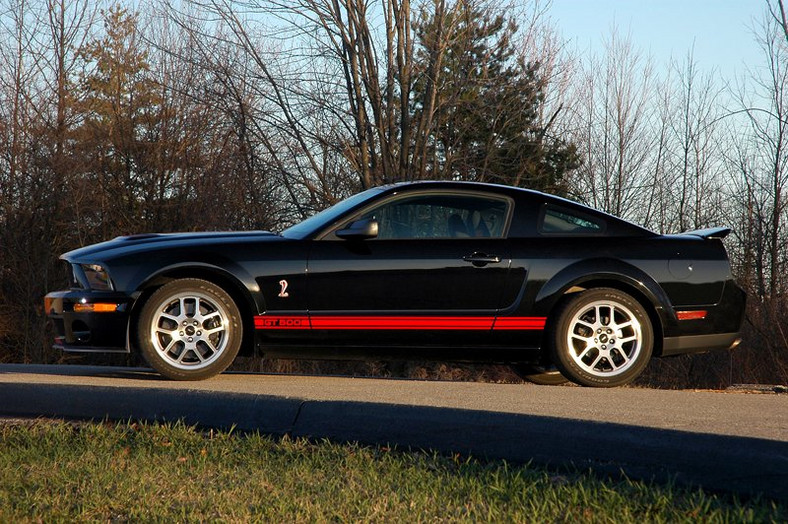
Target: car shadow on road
<point x="743" y="465"/>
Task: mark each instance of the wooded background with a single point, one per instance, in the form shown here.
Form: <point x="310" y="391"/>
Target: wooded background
<point x="120" y="118"/>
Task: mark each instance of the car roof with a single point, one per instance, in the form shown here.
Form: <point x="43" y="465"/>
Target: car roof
<point x="616" y="225"/>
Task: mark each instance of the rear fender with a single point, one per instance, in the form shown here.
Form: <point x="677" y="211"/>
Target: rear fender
<point x="601" y="272"/>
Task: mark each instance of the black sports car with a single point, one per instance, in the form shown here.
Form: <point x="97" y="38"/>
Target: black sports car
<point x="428" y="270"/>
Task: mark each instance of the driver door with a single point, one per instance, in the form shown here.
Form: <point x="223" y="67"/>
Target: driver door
<point x="434" y="274"/>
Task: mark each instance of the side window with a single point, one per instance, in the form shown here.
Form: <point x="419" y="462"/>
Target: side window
<point x="562" y="221"/>
<point x="441" y="216"/>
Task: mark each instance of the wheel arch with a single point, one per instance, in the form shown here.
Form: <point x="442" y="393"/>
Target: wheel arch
<point x="614" y="274"/>
<point x="237" y="290"/>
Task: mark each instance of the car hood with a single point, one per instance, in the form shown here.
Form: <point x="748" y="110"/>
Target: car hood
<point x="155" y="241"/>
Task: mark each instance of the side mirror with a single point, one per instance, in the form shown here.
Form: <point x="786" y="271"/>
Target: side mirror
<point x="360" y="230"/>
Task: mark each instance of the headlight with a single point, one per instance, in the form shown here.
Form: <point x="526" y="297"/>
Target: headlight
<point x="92" y="276"/>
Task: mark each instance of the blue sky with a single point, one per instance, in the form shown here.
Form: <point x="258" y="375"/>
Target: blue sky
<point x="722" y="30"/>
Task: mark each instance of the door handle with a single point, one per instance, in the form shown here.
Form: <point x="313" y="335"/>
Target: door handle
<point x="481" y="259"/>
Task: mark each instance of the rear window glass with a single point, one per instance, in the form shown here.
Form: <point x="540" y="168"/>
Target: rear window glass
<point x="563" y="221"/>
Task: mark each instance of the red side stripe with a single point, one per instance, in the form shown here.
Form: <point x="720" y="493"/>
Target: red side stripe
<point x="375" y="322"/>
<point x="519" y="323"/>
<point x="281" y="322"/>
<point x="349" y="322"/>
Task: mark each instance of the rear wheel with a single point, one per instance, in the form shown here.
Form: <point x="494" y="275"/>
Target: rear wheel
<point x="602" y="337"/>
<point x="189" y="329"/>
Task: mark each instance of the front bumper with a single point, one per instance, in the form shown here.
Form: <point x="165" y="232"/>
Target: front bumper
<point x="80" y="327"/>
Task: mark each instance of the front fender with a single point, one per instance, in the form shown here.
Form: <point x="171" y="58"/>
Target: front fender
<point x="243" y="290"/>
<point x="240" y="279"/>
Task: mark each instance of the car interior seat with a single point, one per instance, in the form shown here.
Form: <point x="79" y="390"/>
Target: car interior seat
<point x="476" y="225"/>
<point x="456" y="226"/>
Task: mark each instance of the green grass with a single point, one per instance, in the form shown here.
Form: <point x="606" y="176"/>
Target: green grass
<point x="105" y="472"/>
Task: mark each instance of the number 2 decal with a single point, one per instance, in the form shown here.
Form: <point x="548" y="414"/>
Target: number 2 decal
<point x="283" y="292"/>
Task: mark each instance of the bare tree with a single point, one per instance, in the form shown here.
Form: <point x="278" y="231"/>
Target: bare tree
<point x="693" y="148"/>
<point x="764" y="155"/>
<point x="612" y="126"/>
<point x="18" y="26"/>
<point x="558" y="64"/>
<point x="757" y="205"/>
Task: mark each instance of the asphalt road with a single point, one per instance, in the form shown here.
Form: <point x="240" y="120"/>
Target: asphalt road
<point x="720" y="440"/>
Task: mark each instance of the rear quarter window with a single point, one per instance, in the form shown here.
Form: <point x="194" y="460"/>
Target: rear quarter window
<point x="557" y="220"/>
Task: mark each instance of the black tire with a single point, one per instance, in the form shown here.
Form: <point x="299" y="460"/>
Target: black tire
<point x="544" y="376"/>
<point x="601" y="337"/>
<point x="189" y="329"/>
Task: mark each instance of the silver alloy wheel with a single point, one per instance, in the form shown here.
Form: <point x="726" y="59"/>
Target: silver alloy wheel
<point x="190" y="330"/>
<point x="604" y="338"/>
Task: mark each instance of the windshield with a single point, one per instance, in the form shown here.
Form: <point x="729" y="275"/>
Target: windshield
<point x="317" y="222"/>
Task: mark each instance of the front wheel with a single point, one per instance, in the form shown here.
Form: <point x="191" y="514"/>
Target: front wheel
<point x="189" y="329"/>
<point x="602" y="337"/>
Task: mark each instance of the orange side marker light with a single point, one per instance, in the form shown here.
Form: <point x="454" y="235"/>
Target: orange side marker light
<point x="98" y="307"/>
<point x="692" y="315"/>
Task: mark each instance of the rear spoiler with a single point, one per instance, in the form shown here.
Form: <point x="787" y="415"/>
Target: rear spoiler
<point x="712" y="232"/>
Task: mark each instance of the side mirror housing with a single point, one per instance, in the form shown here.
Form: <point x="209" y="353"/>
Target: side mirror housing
<point x="360" y="230"/>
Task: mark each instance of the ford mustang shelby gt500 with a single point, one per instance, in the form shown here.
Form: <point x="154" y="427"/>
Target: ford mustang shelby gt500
<point x="428" y="270"/>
